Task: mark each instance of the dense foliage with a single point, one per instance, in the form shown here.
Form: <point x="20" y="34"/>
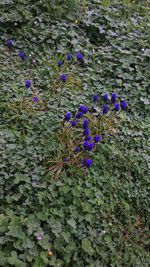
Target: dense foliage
<point x="88" y="218"/>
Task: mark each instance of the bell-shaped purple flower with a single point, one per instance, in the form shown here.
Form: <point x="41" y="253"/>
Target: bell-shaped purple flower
<point x="88" y="138"/>
<point x="86" y="131"/>
<point x="97" y="138"/>
<point x="88" y="146"/>
<point x="22" y="55"/>
<point x="105" y="97"/>
<point x="117" y="107"/>
<point x="85" y="145"/>
<point x="63" y="77"/>
<point x="74" y="123"/>
<point x="59" y="63"/>
<point x="67" y="116"/>
<point x="83" y="109"/>
<point x="10" y="43"/>
<point x="105" y="109"/>
<point x="87" y="162"/>
<point x="91" y="146"/>
<point x="35" y="99"/>
<point x="79" y="115"/>
<point x="77" y="149"/>
<point x="79" y="56"/>
<point x="123" y="105"/>
<point x="113" y="98"/>
<point x="85" y="123"/>
<point x="27" y="84"/>
<point x="95" y="98"/>
<point x="69" y="56"/>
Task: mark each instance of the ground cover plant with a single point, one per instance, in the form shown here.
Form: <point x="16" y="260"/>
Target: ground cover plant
<point x="54" y="59"/>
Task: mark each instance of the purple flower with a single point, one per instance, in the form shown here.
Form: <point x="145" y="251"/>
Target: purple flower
<point x="22" y="55"/>
<point x="59" y="63"/>
<point x="35" y="99"/>
<point x="79" y="115"/>
<point x="85" y="145"/>
<point x="91" y="146"/>
<point x="95" y="98"/>
<point x="77" y="149"/>
<point x="113" y="98"/>
<point x="97" y="138"/>
<point x="67" y="116"/>
<point x="27" y="84"/>
<point x="123" y="105"/>
<point x="117" y="106"/>
<point x="88" y="146"/>
<point x="9" y="42"/>
<point x="63" y="77"/>
<point x="105" y="97"/>
<point x="79" y="56"/>
<point x="74" y="123"/>
<point x="66" y="159"/>
<point x="85" y="123"/>
<point x="39" y="237"/>
<point x="86" y="131"/>
<point x="88" y="138"/>
<point x="69" y="56"/>
<point x="83" y="109"/>
<point x="87" y="162"/>
<point x="105" y="109"/>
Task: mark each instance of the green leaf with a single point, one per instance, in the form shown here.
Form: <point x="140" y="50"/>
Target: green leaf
<point x="87" y="247"/>
<point x="72" y="223"/>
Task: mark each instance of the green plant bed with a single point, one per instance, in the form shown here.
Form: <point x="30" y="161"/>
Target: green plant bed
<point x="81" y="217"/>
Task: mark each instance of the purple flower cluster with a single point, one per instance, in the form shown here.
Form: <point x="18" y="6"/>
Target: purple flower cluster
<point x="105" y="98"/>
<point x="88" y="142"/>
<point x="79" y="57"/>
